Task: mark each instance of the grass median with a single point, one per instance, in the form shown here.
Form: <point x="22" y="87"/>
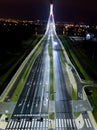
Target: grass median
<point x="52" y="115"/>
<point x="51" y="73"/>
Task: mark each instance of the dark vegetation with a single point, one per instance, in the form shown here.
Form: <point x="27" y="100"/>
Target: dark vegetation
<point x="88" y="52"/>
<point x="16" y="42"/>
<point x="83" y="53"/>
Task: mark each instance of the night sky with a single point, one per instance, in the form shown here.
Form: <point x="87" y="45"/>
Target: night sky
<point x="64" y="10"/>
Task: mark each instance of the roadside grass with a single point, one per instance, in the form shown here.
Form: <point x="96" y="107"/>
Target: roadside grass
<point x="52" y="115"/>
<point x="76" y="61"/>
<point x="74" y="58"/>
<point x="23" y="79"/>
<point x="62" y="58"/>
<point x="74" y="94"/>
<point x="92" y="96"/>
<point x="51" y="74"/>
<point x="77" y="114"/>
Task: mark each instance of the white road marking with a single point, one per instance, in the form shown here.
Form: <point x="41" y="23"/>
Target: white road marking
<point x="89" y="123"/>
<point x="62" y="122"/>
<point x="14" y="124"/>
<point x="23" y="124"/>
<point x="70" y="122"/>
<point x="59" y="123"/>
<point x="9" y="124"/>
<point x="65" y="123"/>
<point x="32" y="123"/>
<point x="86" y="123"/>
<point x="38" y="123"/>
<point x="43" y="123"/>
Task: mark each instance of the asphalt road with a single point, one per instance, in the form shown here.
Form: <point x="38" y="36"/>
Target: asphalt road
<point x="32" y="107"/>
<point x="63" y="106"/>
<point x="34" y="95"/>
<point x="31" y="111"/>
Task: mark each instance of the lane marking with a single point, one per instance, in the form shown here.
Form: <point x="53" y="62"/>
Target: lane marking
<point x="62" y="122"/>
<point x="89" y="122"/>
<point x="65" y="123"/>
<point x="86" y="123"/>
<point x="70" y="122"/>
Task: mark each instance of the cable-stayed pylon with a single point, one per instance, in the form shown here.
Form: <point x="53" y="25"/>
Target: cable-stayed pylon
<point x="51" y="22"/>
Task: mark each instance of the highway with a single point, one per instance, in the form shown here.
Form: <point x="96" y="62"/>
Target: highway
<point x="63" y="106"/>
<point x="33" y="102"/>
<point x="63" y="103"/>
<point x="31" y="111"/>
<point x="32" y="108"/>
<point x="34" y="94"/>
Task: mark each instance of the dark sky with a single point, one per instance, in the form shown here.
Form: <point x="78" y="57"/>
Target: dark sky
<point x="64" y="10"/>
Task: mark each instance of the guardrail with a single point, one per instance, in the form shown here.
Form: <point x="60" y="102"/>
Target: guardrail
<point x="19" y="71"/>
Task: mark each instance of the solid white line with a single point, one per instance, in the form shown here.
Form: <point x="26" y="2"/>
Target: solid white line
<point x="23" y="124"/>
<point x="70" y="122"/>
<point x="62" y="122"/>
<point x="9" y="123"/>
<point x="14" y="124"/>
<point x="65" y="123"/>
<point x="47" y="123"/>
<point x="43" y="123"/>
<point x="32" y="123"/>
<point x="29" y="124"/>
<point x="38" y="123"/>
<point x="20" y="123"/>
<point x="89" y="123"/>
<point x="35" y="124"/>
<point x="17" y="125"/>
<point x="26" y="124"/>
<point x="59" y="123"/>
<point x="86" y="123"/>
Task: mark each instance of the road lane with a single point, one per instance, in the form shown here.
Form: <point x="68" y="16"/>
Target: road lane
<point x="63" y="104"/>
<point x="31" y="111"/>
